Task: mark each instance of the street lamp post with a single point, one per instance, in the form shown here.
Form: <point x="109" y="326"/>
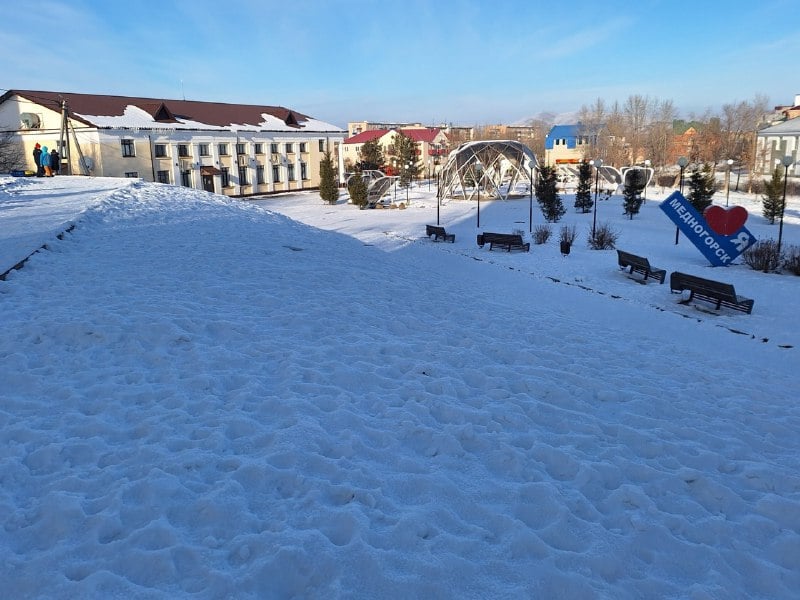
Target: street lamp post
<point x="408" y="181"/>
<point x="786" y="161"/>
<point x="597" y="164"/>
<point x="530" y="207"/>
<point x="430" y="173"/>
<point x="682" y="162"/>
<point x="646" y="173"/>
<point x="728" y="182"/>
<point x="438" y="199"/>
<point x="478" y="187"/>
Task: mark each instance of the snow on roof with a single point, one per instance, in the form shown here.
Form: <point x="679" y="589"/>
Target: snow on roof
<point x="791" y="127"/>
<point x="133" y="112"/>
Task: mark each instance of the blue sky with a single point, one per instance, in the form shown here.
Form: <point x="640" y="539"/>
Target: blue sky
<point x="465" y="62"/>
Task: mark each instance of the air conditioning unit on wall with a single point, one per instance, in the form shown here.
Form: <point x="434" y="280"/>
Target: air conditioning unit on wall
<point x="29" y="121"/>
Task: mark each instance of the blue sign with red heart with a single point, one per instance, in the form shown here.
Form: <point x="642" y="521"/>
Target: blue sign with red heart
<point x="719" y="233"/>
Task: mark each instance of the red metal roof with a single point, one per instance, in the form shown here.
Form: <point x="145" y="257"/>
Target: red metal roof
<point x="427" y="134"/>
<point x="210" y="113"/>
<point x="366" y="136"/>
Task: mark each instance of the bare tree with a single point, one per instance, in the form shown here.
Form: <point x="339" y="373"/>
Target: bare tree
<point x="660" y="132"/>
<point x="591" y="121"/>
<point x="636" y="113"/>
<point x="11" y="154"/>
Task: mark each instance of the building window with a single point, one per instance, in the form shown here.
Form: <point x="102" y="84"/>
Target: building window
<point x="132" y="174"/>
<point x="160" y="150"/>
<point x="260" y="174"/>
<point x="273" y="148"/>
<point x="303" y="147"/>
<point x="289" y="148"/>
<point x="183" y="150"/>
<point x="259" y="148"/>
<point x="127" y="148"/>
<point x="303" y="171"/>
<point x="243" y="175"/>
<point x="322" y="145"/>
<point x="276" y="174"/>
<point x="223" y="149"/>
<point x="226" y="177"/>
<point x="186" y="178"/>
<point x="290" y="172"/>
<point x="203" y="150"/>
<point x="162" y="176"/>
<point x="240" y="148"/>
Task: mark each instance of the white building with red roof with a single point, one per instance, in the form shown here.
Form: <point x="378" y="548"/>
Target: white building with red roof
<point x="431" y="147"/>
<point x="231" y="149"/>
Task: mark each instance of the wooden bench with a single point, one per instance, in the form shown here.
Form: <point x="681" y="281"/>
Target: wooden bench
<point x="439" y="233"/>
<point x="508" y="241"/>
<point x="716" y="292"/>
<point x="639" y="264"/>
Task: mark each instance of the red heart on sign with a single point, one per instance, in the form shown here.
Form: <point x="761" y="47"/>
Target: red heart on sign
<point x="725" y="221"/>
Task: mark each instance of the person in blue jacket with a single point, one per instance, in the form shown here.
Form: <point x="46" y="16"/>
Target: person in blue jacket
<point x="45" y="160"/>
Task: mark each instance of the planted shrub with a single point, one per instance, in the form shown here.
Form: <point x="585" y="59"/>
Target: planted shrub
<point x="791" y="259"/>
<point x="605" y="237"/>
<point x="762" y="256"/>
<point x="567" y="234"/>
<point x="541" y="233"/>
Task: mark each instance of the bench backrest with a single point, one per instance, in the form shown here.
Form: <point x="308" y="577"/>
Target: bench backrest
<point x="434" y="230"/>
<point x="626" y="258"/>
<point x="502" y="238"/>
<point x="718" y="289"/>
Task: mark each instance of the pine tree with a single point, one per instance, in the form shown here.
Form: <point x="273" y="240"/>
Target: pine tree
<point x="635" y="180"/>
<point x="701" y="188"/>
<point x="371" y="155"/>
<point x="547" y="195"/>
<point x="327" y="179"/>
<point x="405" y="150"/>
<point x="583" y="195"/>
<point x="358" y="190"/>
<point x="772" y="200"/>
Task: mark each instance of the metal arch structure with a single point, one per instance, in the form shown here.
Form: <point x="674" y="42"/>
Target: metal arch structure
<point x="488" y="167"/>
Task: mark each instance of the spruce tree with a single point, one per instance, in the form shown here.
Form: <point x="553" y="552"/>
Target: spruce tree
<point x="583" y="195"/>
<point x="635" y="180"/>
<point x="701" y="188"/>
<point x="772" y="200"/>
<point x="547" y="195"/>
<point x="371" y="155"/>
<point x="358" y="190"/>
<point x="328" y="190"/>
<point x="405" y="149"/>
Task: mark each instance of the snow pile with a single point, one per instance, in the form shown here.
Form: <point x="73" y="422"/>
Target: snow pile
<point x="203" y="398"/>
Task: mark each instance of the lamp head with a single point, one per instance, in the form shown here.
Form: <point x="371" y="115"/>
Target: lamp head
<point x="730" y="162"/>
<point x="786" y="161"/>
<point x="683" y="161"/>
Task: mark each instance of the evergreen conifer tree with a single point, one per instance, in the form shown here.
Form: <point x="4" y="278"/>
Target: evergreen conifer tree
<point x="701" y="188"/>
<point x="635" y="180"/>
<point x="583" y="195"/>
<point x="358" y="190"/>
<point x="405" y="149"/>
<point x="772" y="200"/>
<point x="371" y="155"/>
<point x="327" y="179"/>
<point x="547" y="195"/>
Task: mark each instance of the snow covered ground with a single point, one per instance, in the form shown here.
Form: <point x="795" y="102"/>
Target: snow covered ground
<point x="204" y="398"/>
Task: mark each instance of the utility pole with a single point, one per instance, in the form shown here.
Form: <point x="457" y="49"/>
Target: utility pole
<point x="64" y="136"/>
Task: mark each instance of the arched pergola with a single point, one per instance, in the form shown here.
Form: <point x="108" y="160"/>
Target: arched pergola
<point x="488" y="167"/>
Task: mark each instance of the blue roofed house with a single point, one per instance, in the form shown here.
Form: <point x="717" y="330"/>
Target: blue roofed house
<point x="567" y="144"/>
